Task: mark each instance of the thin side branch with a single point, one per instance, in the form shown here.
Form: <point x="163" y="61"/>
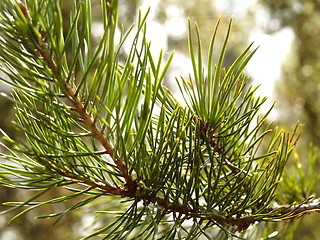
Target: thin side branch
<point x="310" y="205"/>
<point x="78" y="105"/>
<point x="242" y="223"/>
<point x="104" y="187"/>
<point x="97" y="133"/>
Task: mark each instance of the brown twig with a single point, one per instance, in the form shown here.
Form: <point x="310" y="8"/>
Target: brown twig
<point x="78" y="105"/>
<point x="310" y="205"/>
<point x="97" y="133"/>
<point x="104" y="187"/>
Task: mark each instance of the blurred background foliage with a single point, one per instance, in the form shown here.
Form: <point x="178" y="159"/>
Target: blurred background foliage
<point x="297" y="89"/>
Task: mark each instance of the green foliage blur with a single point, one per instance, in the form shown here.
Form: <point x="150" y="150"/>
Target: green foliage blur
<point x="298" y="89"/>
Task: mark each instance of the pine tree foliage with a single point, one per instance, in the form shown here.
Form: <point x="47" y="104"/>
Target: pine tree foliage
<point x="100" y="126"/>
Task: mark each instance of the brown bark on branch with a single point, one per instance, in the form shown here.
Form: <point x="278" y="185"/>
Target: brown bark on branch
<point x="310" y="205"/>
<point x="78" y="105"/>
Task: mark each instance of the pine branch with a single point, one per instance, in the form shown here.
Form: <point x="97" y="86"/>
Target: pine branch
<point x="213" y="161"/>
<point x="81" y="109"/>
<point x="302" y="209"/>
<point x="104" y="187"/>
<point x="310" y="205"/>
